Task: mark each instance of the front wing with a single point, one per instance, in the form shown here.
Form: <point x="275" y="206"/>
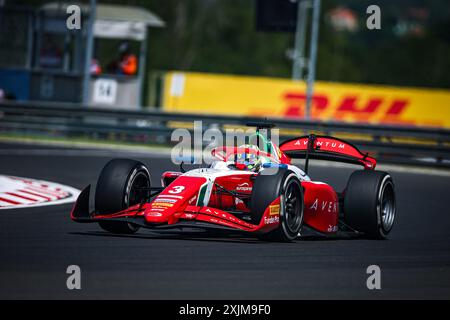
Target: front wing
<point x="191" y="216"/>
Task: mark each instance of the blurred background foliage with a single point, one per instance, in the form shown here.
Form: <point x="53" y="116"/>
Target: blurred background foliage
<point x="411" y="49"/>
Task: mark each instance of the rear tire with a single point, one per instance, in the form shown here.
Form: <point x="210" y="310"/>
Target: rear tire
<point x="117" y="189"/>
<point x="369" y="203"/>
<point x="266" y="189"/>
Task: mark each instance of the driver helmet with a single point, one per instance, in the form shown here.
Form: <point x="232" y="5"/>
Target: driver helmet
<point x="250" y="161"/>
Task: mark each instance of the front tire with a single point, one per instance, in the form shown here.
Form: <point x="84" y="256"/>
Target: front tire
<point x="369" y="203"/>
<point x="268" y="186"/>
<point x="117" y="189"/>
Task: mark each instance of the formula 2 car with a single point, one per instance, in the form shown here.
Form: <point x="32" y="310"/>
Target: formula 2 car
<point x="252" y="189"/>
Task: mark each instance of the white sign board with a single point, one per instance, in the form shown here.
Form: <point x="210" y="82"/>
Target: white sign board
<point x="105" y="91"/>
<point x="120" y="30"/>
<point x="177" y="85"/>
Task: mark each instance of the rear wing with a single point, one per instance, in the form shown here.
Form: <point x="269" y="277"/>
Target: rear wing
<point x="326" y="148"/>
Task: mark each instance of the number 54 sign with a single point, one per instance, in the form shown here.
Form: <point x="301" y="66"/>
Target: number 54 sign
<point x="105" y="91"/>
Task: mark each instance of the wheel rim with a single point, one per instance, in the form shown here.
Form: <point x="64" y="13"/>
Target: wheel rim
<point x="140" y="181"/>
<point x="293" y="207"/>
<point x="387" y="206"/>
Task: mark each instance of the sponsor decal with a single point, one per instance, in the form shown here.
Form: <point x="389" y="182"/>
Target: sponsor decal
<point x="326" y="144"/>
<point x="274" y="209"/>
<point x="154" y="214"/>
<point x="192" y="200"/>
<point x="271" y="220"/>
<point x="244" y="187"/>
<point x="226" y="217"/>
<point x="325" y="206"/>
<point x="225" y="223"/>
<point x="332" y="228"/>
<point x="213" y="212"/>
<point x="169" y="196"/>
<point x="159" y="199"/>
<point x="162" y="204"/>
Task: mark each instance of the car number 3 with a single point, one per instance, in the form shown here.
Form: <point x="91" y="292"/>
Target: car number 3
<point x="176" y="189"/>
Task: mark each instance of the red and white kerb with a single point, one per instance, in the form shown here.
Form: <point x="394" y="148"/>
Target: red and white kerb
<point x="16" y="192"/>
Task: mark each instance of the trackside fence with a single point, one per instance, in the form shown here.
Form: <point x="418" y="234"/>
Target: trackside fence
<point x="393" y="144"/>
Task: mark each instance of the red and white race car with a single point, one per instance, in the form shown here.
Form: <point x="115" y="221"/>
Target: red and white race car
<point x="252" y="189"/>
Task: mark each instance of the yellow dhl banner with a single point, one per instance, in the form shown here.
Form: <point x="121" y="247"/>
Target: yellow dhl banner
<point x="271" y="97"/>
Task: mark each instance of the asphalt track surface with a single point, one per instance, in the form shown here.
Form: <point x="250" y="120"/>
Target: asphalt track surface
<point x="37" y="245"/>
